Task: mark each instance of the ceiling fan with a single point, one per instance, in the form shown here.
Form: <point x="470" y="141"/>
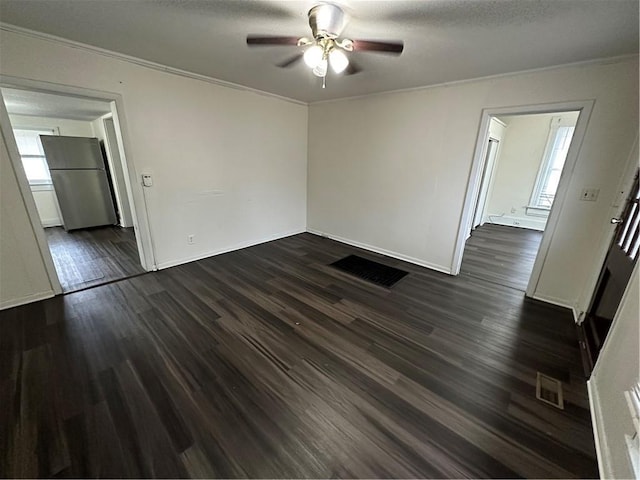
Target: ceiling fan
<point x="325" y="48"/>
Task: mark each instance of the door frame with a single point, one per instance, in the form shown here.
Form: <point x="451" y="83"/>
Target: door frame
<point x="487" y="176"/>
<point x="119" y="178"/>
<point x="134" y="189"/>
<point x="585" y="108"/>
<point x="27" y="197"/>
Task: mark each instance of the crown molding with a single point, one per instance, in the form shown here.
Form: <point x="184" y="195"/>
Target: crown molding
<point x="140" y="62"/>
<point x="595" y="61"/>
<point x="223" y="83"/>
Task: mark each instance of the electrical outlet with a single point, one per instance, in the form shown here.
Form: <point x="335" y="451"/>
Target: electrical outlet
<point x="191" y="239"/>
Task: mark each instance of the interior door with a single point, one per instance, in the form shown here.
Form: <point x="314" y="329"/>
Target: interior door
<point x="489" y="161"/>
<point x="615" y="274"/>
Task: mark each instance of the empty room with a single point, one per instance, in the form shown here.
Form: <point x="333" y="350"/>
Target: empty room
<point x="305" y="239"/>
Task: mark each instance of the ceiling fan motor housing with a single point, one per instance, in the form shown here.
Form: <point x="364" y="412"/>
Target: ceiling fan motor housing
<point x="326" y="21"/>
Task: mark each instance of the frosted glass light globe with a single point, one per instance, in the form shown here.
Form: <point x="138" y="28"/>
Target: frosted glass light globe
<point x="321" y="68"/>
<point x="313" y="56"/>
<point x="338" y="60"/>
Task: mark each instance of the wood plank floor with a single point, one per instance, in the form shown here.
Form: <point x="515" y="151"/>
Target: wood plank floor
<point x="265" y="362"/>
<point x="501" y="254"/>
<point x="86" y="258"/>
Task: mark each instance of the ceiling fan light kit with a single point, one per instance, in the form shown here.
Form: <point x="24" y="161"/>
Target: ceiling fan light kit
<point x="313" y="56"/>
<point x="338" y="60"/>
<point x="320" y="70"/>
<point x="327" y="21"/>
<point x="317" y="56"/>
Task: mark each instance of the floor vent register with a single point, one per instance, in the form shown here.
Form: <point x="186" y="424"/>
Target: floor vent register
<point x="549" y="390"/>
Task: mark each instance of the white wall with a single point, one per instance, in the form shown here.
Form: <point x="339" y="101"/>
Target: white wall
<point x="45" y="195"/>
<point x="391" y="171"/>
<point x="229" y="165"/>
<point x="516" y="171"/>
<point x="616" y="371"/>
<point x="23" y="277"/>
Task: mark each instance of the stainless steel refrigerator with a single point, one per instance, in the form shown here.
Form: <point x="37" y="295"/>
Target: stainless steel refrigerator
<point x="80" y="181"/>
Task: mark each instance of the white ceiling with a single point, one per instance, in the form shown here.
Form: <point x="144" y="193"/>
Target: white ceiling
<point x="23" y="102"/>
<point x="445" y="40"/>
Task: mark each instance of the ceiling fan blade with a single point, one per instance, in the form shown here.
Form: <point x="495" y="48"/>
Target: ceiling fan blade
<point x="290" y="61"/>
<point x="256" y="40"/>
<point x="394" y="48"/>
<point x="352" y="68"/>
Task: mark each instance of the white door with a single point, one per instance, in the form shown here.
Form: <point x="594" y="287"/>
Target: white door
<point x="489" y="163"/>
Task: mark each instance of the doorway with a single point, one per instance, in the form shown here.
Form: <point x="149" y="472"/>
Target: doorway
<point x="518" y="179"/>
<point x="76" y="178"/>
<point x="620" y="260"/>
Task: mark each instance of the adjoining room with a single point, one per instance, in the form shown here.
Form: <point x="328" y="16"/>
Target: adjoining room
<point x="69" y="150"/>
<point x="524" y="161"/>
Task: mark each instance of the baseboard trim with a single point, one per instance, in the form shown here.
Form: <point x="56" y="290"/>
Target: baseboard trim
<point x="552" y="300"/>
<point x="559" y="303"/>
<point x="601" y="449"/>
<point x="577" y="316"/>
<point x="382" y="251"/>
<point x="238" y="246"/>
<point x="55" y="222"/>
<point x="531" y="223"/>
<point x="16" y="302"/>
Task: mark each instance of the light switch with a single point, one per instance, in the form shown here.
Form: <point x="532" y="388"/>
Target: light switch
<point x="589" y="194"/>
<point x="147" y="181"/>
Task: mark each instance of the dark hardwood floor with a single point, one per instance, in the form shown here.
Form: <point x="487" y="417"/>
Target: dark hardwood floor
<point x="266" y="362"/>
<point x="86" y="258"/>
<point x="501" y="254"/>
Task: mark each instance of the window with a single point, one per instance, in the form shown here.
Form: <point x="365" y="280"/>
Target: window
<point x="629" y="237"/>
<point x="32" y="154"/>
<point x="560" y="135"/>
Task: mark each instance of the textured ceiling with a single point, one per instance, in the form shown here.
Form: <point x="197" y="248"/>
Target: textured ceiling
<point x="22" y="102"/>
<point x="445" y="40"/>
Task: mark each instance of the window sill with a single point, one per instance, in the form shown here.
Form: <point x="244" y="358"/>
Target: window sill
<point x="534" y="211"/>
<point x="40" y="186"/>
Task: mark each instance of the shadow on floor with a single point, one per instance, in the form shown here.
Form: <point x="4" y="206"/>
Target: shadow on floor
<point x="90" y="257"/>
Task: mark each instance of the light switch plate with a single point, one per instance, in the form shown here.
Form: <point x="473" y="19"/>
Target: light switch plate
<point x="589" y="194"/>
<point x="147" y="181"/>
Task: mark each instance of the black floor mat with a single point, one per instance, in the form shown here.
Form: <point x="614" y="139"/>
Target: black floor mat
<point x="369" y="270"/>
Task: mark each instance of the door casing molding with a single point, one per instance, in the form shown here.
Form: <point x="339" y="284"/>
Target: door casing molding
<point x="585" y="108"/>
<point x="134" y="188"/>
